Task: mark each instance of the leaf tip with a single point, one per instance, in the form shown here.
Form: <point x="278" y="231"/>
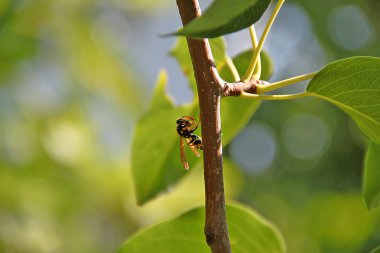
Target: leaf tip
<point x="142" y="197"/>
<point x="140" y="201"/>
<point x="371" y="205"/>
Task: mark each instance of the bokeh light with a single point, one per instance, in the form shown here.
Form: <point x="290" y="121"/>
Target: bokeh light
<point x="350" y="28"/>
<point x="254" y="149"/>
<point x="306" y="136"/>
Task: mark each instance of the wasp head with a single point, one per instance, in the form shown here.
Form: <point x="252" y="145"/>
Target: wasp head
<point x="186" y="121"/>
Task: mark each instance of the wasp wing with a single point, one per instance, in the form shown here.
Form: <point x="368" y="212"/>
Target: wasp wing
<point x="184" y="162"/>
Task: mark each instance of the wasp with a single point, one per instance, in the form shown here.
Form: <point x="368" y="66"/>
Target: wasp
<point x="186" y="126"/>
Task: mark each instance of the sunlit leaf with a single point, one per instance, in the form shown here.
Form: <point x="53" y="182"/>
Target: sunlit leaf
<point x="234" y="178"/>
<point x="155" y="145"/>
<point x="161" y="99"/>
<point x="218" y="48"/>
<point x="353" y="84"/>
<point x="225" y="16"/>
<point x="249" y="233"/>
<point x="242" y="61"/>
<point x="371" y="185"/>
<point x="180" y="52"/>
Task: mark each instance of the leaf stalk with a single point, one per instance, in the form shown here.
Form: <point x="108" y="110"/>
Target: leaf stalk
<point x="250" y="71"/>
<point x="284" y="83"/>
<point x="274" y="97"/>
<point x="257" y="70"/>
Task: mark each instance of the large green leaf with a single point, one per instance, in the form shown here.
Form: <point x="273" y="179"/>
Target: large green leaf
<point x="160" y="100"/>
<point x="155" y="150"/>
<point x="371" y="185"/>
<point x="180" y="52"/>
<point x="353" y="84"/>
<point x="249" y="233"/>
<point x="225" y="16"/>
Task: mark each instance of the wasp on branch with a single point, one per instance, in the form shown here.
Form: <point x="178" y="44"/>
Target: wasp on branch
<point x="186" y="126"/>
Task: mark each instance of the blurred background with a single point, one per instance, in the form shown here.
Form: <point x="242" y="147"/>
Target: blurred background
<point x="76" y="75"/>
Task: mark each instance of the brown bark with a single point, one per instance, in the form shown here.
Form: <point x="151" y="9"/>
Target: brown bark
<point x="209" y="92"/>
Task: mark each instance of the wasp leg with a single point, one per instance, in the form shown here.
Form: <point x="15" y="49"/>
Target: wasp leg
<point x="197" y="124"/>
<point x="194" y="150"/>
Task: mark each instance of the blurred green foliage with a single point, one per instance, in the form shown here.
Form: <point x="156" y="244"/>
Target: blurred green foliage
<point x="69" y="99"/>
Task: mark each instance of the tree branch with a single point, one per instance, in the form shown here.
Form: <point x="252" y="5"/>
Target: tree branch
<point x="237" y="88"/>
<point x="209" y="86"/>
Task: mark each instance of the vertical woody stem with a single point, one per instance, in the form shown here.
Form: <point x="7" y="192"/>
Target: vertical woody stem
<point x="209" y="92"/>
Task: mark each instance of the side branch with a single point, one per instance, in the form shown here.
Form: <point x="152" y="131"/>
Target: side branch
<point x="237" y="88"/>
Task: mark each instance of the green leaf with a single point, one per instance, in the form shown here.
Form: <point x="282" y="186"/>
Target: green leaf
<point x="160" y="99"/>
<point x="180" y="52"/>
<point x="352" y="84"/>
<point x="155" y="154"/>
<point x="249" y="233"/>
<point x="371" y="185"/>
<point x="219" y="51"/>
<point x="224" y="17"/>
<point x="236" y="112"/>
<point x="377" y="250"/>
<point x="242" y="61"/>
